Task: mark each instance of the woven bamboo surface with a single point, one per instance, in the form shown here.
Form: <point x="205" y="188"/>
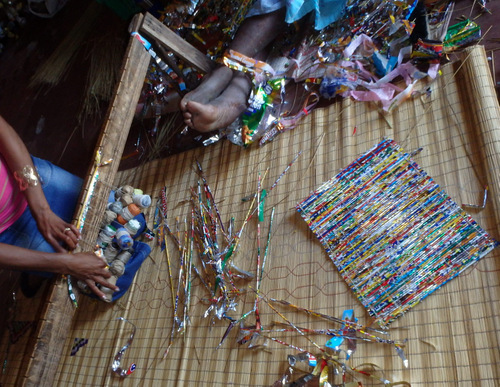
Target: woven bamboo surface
<point x="453" y="336"/>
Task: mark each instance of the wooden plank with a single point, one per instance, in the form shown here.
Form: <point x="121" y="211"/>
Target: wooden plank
<point x="184" y="50"/>
<point x="58" y="315"/>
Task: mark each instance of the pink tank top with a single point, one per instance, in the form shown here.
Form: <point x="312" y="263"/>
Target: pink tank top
<point x="12" y="201"/>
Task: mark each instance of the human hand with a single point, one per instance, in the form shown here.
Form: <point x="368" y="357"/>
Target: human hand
<point x="56" y="230"/>
<point x="91" y="269"/>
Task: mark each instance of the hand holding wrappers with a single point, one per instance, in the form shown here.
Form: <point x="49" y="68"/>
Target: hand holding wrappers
<point x="122" y="224"/>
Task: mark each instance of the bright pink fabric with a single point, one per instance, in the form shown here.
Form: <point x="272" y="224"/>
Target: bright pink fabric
<point x="12" y="201"/>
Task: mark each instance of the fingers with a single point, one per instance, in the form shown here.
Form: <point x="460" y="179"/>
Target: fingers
<point x="55" y="244"/>
<point x="70" y="236"/>
<point x="106" y="291"/>
<point x="74" y="230"/>
<point x="105" y="285"/>
<point x="101" y="268"/>
<point x="92" y="286"/>
<point x="101" y="281"/>
<point x="105" y="273"/>
<point x="69" y="241"/>
<point x="93" y="270"/>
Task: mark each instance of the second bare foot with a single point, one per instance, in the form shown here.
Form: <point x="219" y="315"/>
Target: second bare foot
<point x="210" y="88"/>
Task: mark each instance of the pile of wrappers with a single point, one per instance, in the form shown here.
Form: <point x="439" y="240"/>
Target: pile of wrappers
<point x="122" y="224"/>
<point x="377" y="51"/>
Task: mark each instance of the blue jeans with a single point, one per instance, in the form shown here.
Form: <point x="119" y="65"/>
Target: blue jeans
<point x="62" y="190"/>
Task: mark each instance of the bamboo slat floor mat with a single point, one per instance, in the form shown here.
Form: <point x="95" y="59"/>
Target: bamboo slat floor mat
<point x="452" y="335"/>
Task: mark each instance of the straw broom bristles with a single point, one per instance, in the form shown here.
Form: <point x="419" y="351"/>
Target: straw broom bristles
<point x="168" y="127"/>
<point x="54" y="68"/>
<point x="105" y="60"/>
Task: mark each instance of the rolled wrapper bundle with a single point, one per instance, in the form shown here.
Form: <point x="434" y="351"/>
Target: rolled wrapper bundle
<point x="132" y="226"/>
<point x="103" y="240"/>
<point x="124" y="257"/>
<point x="110" y="253"/>
<point x="108" y="293"/>
<point x="126" y="200"/>
<point x="116" y="207"/>
<point x="142" y="201"/>
<point x="123" y="239"/>
<point x="130" y="211"/>
<point x="109" y="230"/>
<point x="138" y="191"/>
<point x="117" y="268"/>
<point x="109" y="216"/>
<point x="124" y="190"/>
<point x="106" y="235"/>
<point x="120" y="220"/>
<point x="83" y="287"/>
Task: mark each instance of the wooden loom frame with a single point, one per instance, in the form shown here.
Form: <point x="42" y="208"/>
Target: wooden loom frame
<point x="57" y="315"/>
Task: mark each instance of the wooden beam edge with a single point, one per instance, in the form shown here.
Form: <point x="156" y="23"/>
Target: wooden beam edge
<point x="58" y="315"/>
<point x="156" y="30"/>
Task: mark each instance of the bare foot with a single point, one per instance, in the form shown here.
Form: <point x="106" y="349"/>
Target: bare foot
<point x="221" y="111"/>
<point x="210" y="88"/>
<point x="209" y="117"/>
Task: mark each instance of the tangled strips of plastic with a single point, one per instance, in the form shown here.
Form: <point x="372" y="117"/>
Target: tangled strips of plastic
<point x="371" y="54"/>
<point x="207" y="250"/>
<point x="330" y="362"/>
<point x="358" y="51"/>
